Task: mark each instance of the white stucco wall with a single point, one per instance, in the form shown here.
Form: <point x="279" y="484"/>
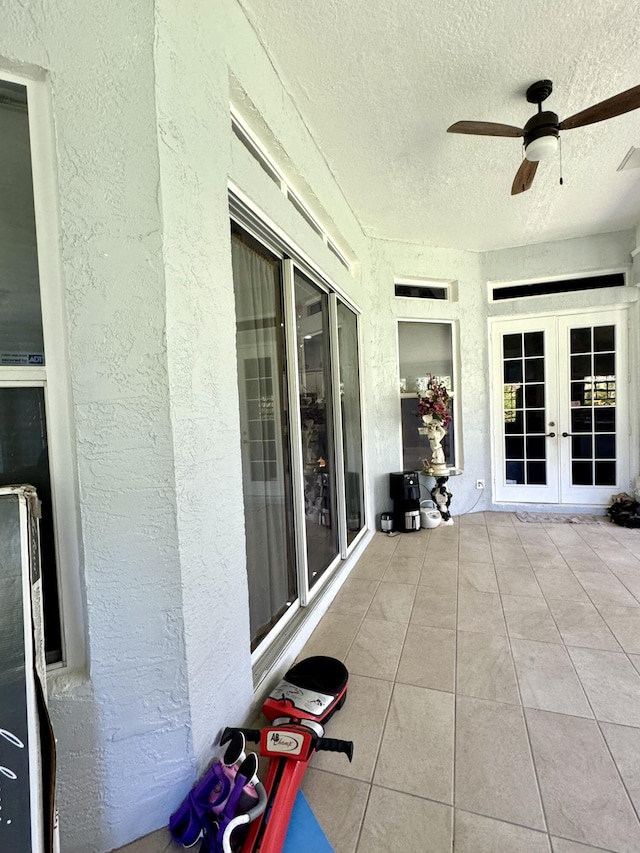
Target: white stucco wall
<point x="122" y="725"/>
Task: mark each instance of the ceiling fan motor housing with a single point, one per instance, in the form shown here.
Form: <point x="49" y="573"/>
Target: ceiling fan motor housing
<point x="541" y="124"/>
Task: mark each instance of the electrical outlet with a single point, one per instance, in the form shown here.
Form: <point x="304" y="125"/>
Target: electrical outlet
<point x="479" y="484"/>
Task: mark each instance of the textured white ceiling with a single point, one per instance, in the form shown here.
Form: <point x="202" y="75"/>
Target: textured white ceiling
<point x="378" y="83"/>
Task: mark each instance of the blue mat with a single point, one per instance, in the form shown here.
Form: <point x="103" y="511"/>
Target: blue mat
<point x="304" y="834"/>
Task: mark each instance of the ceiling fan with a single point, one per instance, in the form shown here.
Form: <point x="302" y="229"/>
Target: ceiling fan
<point x="542" y="131"/>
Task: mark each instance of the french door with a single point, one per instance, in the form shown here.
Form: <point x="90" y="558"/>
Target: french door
<point x="560" y="408"/>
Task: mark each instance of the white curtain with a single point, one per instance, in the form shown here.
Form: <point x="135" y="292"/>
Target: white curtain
<point x="266" y="488"/>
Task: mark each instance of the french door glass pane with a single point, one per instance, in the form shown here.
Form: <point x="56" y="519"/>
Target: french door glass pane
<point x="24" y="458"/>
<point x="21" y="340"/>
<point x="312" y="337"/>
<point x="593" y="401"/>
<point x="524" y="415"/>
<point x="266" y="475"/>
<point x="351" y="419"/>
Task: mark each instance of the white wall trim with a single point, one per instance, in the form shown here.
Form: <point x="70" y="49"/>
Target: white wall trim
<point x="62" y="456"/>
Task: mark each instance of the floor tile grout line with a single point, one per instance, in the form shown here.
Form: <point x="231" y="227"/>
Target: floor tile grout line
<point x="455" y="707"/>
<point x="526" y="728"/>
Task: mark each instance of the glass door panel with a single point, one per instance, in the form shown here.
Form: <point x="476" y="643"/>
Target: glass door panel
<point x="594" y="437"/>
<point x="351" y="419"/>
<point x="525" y="443"/>
<point x="316" y="421"/>
<point x="266" y="474"/>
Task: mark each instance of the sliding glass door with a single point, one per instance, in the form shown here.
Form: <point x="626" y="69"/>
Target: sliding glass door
<point x="351" y="419"/>
<point x="266" y="479"/>
<point x="299" y="397"/>
<point x="316" y="423"/>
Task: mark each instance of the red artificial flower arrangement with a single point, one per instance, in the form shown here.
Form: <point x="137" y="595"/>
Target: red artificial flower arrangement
<point x="435" y="401"/>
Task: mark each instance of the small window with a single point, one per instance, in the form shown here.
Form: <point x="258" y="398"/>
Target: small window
<point x="255" y="152"/>
<point x="258" y="152"/>
<point x="334" y="249"/>
<point x="567" y="285"/>
<point x="422" y="289"/>
<point x="304" y="213"/>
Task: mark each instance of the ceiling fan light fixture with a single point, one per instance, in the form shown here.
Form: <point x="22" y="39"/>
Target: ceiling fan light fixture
<point x="541" y="148"/>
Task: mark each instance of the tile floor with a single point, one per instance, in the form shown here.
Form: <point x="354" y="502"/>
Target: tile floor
<point x="494" y="693"/>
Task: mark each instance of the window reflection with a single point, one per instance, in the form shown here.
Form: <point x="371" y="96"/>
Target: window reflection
<point x="316" y="419"/>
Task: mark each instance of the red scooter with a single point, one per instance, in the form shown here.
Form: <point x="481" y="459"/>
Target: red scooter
<point x="229" y="809"/>
<point x="298" y="708"/>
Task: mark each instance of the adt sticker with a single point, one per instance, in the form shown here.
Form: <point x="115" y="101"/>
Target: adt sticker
<point x="36" y="358"/>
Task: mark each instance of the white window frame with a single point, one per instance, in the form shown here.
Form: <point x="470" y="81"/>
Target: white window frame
<point x="494" y="285"/>
<point x="448" y="285"/>
<point x="456" y="407"/>
<point x="54" y="375"/>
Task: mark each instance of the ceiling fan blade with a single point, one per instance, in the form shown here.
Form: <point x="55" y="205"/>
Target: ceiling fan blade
<point x="616" y="106"/>
<point x="485" y="128"/>
<point x="524" y="176"/>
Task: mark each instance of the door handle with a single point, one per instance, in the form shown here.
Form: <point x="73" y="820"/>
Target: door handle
<point x="551" y="435"/>
<point x="566" y="434"/>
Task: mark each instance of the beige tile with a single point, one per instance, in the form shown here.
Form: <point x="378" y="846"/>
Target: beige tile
<point x="518" y="580"/>
<point x="605" y="589"/>
<point x="583" y="797"/>
<point x="428" y="658"/>
<point x="564" y="535"/>
<point x="529" y="619"/>
<point x="361" y="720"/>
<point x="560" y="583"/>
<point x="442" y="550"/>
<point x="625" y="625"/>
<point x="434" y="608"/>
<point x="580" y="624"/>
<point x="473" y="519"/>
<point x="395" y="821"/>
<point x="581" y="558"/>
<point x="155" y="842"/>
<point x="630" y="577"/>
<point x="547" y="679"/>
<point x="339" y="804"/>
<point x="635" y="660"/>
<point x="494" y="772"/>
<point x="531" y="532"/>
<point x="376" y="649"/>
<point x="611" y="683"/>
<point x="624" y="743"/>
<point x="544" y="556"/>
<point x="440" y="575"/>
<point x="392" y="602"/>
<point x="478" y="576"/>
<point x="334" y="635"/>
<point x="480" y="613"/>
<point x="561" y="845"/>
<point x="354" y="597"/>
<point x="500" y="519"/>
<point x="508" y="553"/>
<point x="371" y="566"/>
<point x="477" y="834"/>
<point x="413" y="543"/>
<point x="424" y="717"/>
<point x="478" y="551"/>
<point x="403" y="570"/>
<point x="617" y="558"/>
<point x="485" y="668"/>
